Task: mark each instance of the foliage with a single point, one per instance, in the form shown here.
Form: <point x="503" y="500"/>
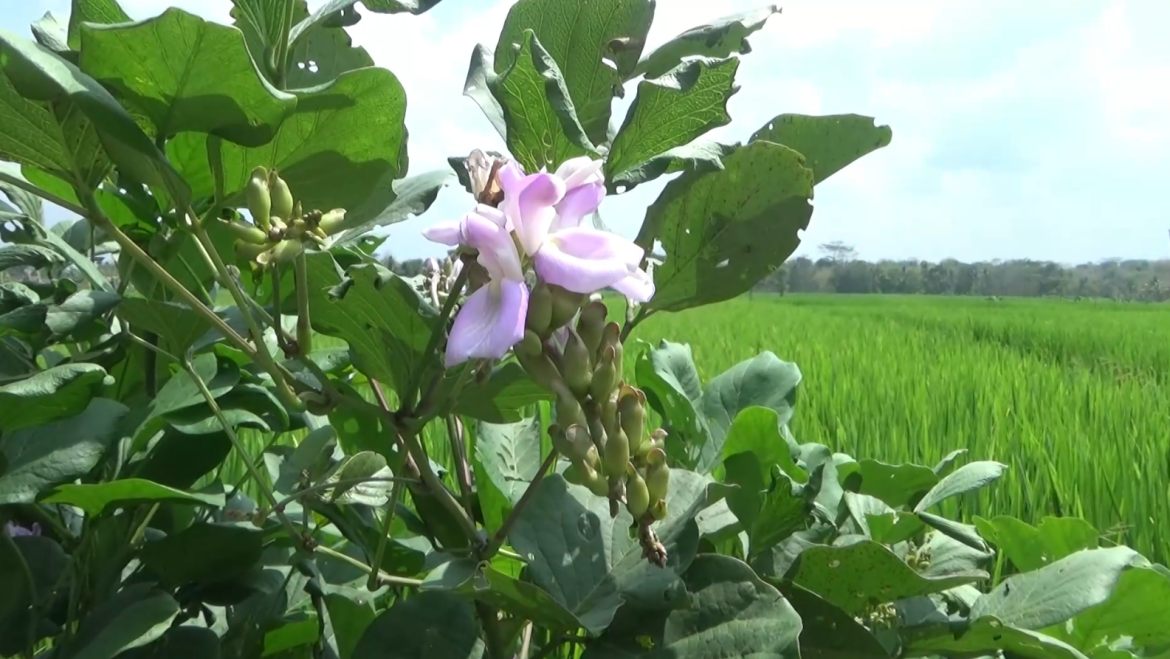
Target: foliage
<point x="267" y="478"/>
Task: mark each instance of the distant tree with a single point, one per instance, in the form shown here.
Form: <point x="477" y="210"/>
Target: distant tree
<point x="838" y="252"/>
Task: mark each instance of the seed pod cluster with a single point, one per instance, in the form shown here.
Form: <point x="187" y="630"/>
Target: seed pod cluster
<point x="571" y="349"/>
<point x="280" y="229"/>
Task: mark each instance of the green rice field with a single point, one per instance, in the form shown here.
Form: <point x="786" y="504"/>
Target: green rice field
<point x="1073" y="396"/>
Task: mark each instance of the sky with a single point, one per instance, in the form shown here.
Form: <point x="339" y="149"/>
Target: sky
<point x="1022" y="129"/>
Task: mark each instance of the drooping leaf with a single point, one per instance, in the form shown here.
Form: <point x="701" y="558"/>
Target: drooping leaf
<point x="102" y="12"/>
<point x="434" y="624"/>
<point x="732" y="613"/>
<point x="828" y="143"/>
<point x="542" y="128"/>
<point x="668" y="113"/>
<point x="596" y="45"/>
<point x="764" y="380"/>
<point x="1058" y="591"/>
<point x="756" y="430"/>
<point x="968" y="478"/>
<point x="204" y="552"/>
<point x="186" y="74"/>
<point x="827" y="632"/>
<point x="702" y="156"/>
<point x="475" y="87"/>
<point x="135" y="616"/>
<point x="507" y="458"/>
<point x="486" y="584"/>
<point x="383" y="319"/>
<point x="47" y="454"/>
<point x="97" y="497"/>
<point x="53" y="394"/>
<point x="77" y="311"/>
<point x="718" y="38"/>
<point x="853" y="577"/>
<point x="724" y="231"/>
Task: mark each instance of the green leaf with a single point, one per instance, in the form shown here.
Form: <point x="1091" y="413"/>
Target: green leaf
<point x="701" y="157"/>
<point x="1139" y="609"/>
<point x="986" y="636"/>
<point x="102" y="12"/>
<point x="608" y="566"/>
<point x="136" y="615"/>
<point x="186" y="74"/>
<point x="732" y="614"/>
<point x="668" y="376"/>
<point x="542" y="129"/>
<point x="475" y="87"/>
<point x="756" y="430"/>
<point x="828" y="143"/>
<point x="78" y="310"/>
<point x="768" y="503"/>
<point x="349" y="616"/>
<point x="26" y="202"/>
<point x="181" y="392"/>
<point x="595" y="44"/>
<point x="14" y="573"/>
<point x="764" y="380"/>
<point x="724" y="231"/>
<point x="384" y="320"/>
<point x="183" y="642"/>
<point x="407" y="198"/>
<point x="47" y="454"/>
<point x="507" y="458"/>
<point x="42" y="76"/>
<point x="827" y="632"/>
<point x="96" y="498"/>
<point x="334" y="9"/>
<point x="204" y="552"/>
<point x="178" y="325"/>
<point x="34" y="233"/>
<point x="856" y="576"/>
<point x="896" y="485"/>
<point x="366" y="464"/>
<point x="719" y="38"/>
<point x="51" y="33"/>
<point x="1058" y="591"/>
<point x="179" y="460"/>
<point x="428" y="625"/>
<point x="38" y="559"/>
<point x="968" y="478"/>
<point x="1030" y="548"/>
<point x="323" y="54"/>
<point x="27" y="256"/>
<point x="668" y="113"/>
<point x="481" y="581"/>
<point x="59" y="392"/>
<point x="507" y="392"/>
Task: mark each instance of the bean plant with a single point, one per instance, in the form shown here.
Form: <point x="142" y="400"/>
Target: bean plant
<point x="256" y="441"/>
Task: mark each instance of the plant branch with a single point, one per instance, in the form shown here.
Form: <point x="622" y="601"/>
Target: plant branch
<point x="282" y="45"/>
<point x="384" y="538"/>
<point x="304" y="324"/>
<point x="382" y="576"/>
<point x="43" y="194"/>
<point x="455" y="435"/>
<point x="501" y="534"/>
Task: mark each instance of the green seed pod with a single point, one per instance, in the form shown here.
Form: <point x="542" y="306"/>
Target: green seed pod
<point x="657" y="440"/>
<point x="582" y="474"/>
<point x="577" y="367"/>
<point x="658" y="510"/>
<point x="330" y="222"/>
<point x="616" y="454"/>
<point x="569" y="411"/>
<point x="541" y="369"/>
<point x="611" y="336"/>
<point x="597" y="431"/>
<point x="282" y="199"/>
<point x="657" y="474"/>
<point x="573" y="443"/>
<point x="540" y="307"/>
<point x="529" y="345"/>
<point x="249" y="251"/>
<point x="631" y="408"/>
<point x="591" y="324"/>
<point x="297" y="210"/>
<point x="245" y="232"/>
<point x="605" y="375"/>
<point x="259" y="200"/>
<point x="637" y="494"/>
<point x="285" y="251"/>
<point x="565" y="304"/>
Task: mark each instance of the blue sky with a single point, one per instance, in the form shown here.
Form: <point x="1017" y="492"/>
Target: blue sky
<point x="1026" y="129"/>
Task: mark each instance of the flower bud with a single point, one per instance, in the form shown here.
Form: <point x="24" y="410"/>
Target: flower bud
<point x="573" y="443"/>
<point x="582" y="474"/>
<point x="259" y="200"/>
<point x="609" y="417"/>
<point x="611" y="336"/>
<point x="657" y="440"/>
<point x="631" y="408"/>
<point x="637" y="494"/>
<point x="245" y="232"/>
<point x="287" y="250"/>
<point x="330" y="222"/>
<point x="530" y="345"/>
<point x="596" y="429"/>
<point x="658" y="510"/>
<point x="577" y="367"/>
<point x="540" y="308"/>
<point x="282" y="199"/>
<point x="657" y="474"/>
<point x="539" y="367"/>
<point x="591" y="324"/>
<point x="249" y="251"/>
<point x="605" y="376"/>
<point x="568" y="410"/>
<point x="616" y="454"/>
<point x="565" y="304"/>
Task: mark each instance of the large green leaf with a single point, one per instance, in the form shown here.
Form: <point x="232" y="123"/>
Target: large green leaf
<point x="507" y="458"/>
<point x="608" y="566"/>
<point x="384" y="320"/>
<point x="724" y="231"/>
<point x="507" y="392"/>
<point x="102" y="12"/>
<point x="204" y="552"/>
<point x="429" y="625"/>
<point x="1030" y="547"/>
<point x="968" y="478"/>
<point x="1139" y="610"/>
<point x="828" y="143"/>
<point x="896" y="485"/>
<point x="983" y="637"/>
<point x="542" y="128"/>
<point x="97" y="497"/>
<point x="827" y="632"/>
<point x="135" y="616"/>
<point x="349" y="615"/>
<point x="343" y="141"/>
<point x="596" y="45"/>
<point x="854" y="577"/>
<point x="48" y="454"/>
<point x="668" y="376"/>
<point x="732" y="614"/>
<point x="756" y="430"/>
<point x="182" y="392"/>
<point x="180" y="460"/>
<point x="1058" y="591"/>
<point x="178" y="325"/>
<point x="667" y="113"/>
<point x="718" y="38"/>
<point x="770" y="506"/>
<point x="59" y="392"/>
<point x="78" y="311"/>
<point x="393" y="203"/>
<point x="42" y="76"/>
<point x="186" y="74"/>
<point x="487" y="584"/>
<point x="764" y="380"/>
<point x="341" y="11"/>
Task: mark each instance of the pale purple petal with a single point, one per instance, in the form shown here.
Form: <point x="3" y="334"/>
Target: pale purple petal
<point x="577" y="203"/>
<point x="595" y="243"/>
<point x="447" y="233"/>
<point x="497" y="252"/>
<point x="534" y="211"/>
<point x="638" y="286"/>
<point x="580" y="261"/>
<point x="491" y="213"/>
<point x="511" y="178"/>
<point x="490" y="322"/>
<point x="580" y="170"/>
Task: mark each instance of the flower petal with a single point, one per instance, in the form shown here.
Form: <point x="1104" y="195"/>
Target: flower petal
<point x="491" y="213"/>
<point x="595" y="243"/>
<point x="497" y="252"/>
<point x="511" y="178"/>
<point x="490" y="322"/>
<point x="447" y="233"/>
<point x="534" y="212"/>
<point x="638" y="286"/>
<point x="583" y="260"/>
<point x="580" y="171"/>
<point x="577" y="203"/>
